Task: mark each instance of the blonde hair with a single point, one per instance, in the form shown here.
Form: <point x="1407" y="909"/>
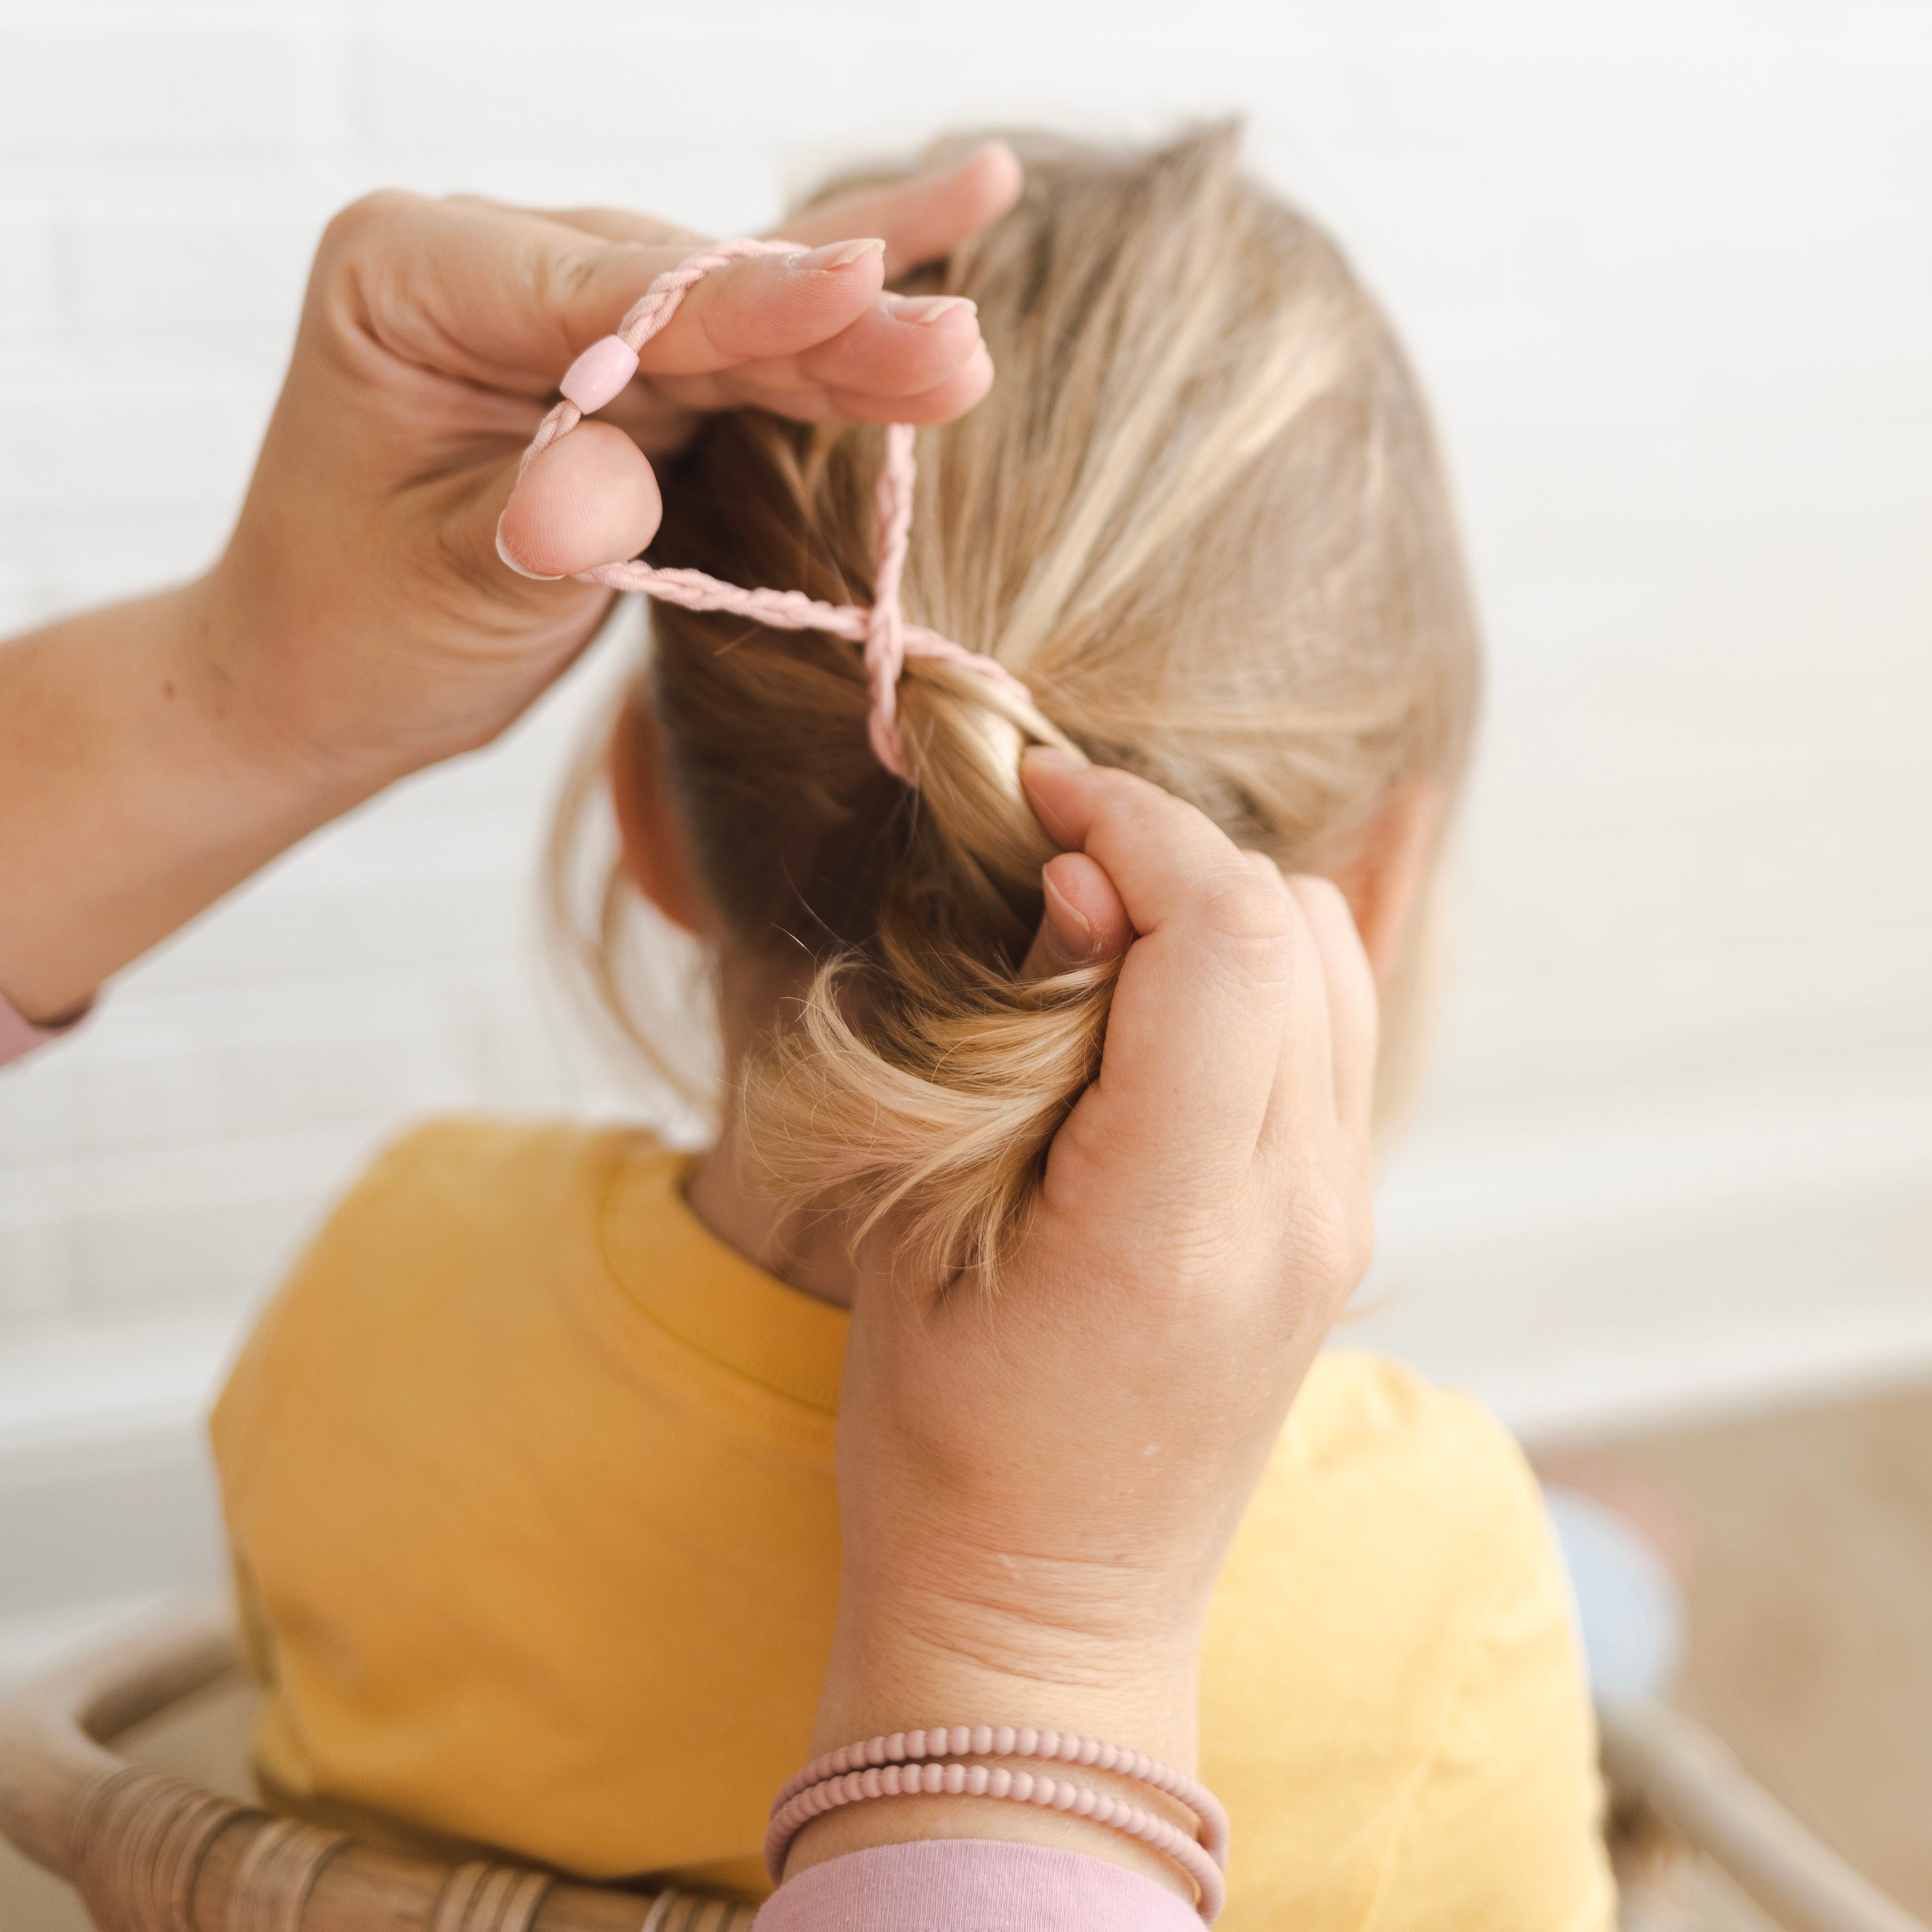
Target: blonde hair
<point x="1201" y="514"/>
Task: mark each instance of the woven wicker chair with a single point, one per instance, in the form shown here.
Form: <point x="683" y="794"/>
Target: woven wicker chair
<point x="152" y="1853"/>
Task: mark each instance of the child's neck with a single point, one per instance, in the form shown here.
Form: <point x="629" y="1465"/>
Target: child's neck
<point x="805" y="1250"/>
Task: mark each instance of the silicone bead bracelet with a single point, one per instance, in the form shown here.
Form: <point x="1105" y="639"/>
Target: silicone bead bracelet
<point x="1020" y="1787"/>
<point x="1021" y="1741"/>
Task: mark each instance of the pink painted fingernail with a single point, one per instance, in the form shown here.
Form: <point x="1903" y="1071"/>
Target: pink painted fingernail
<point x="924" y="310"/>
<point x="835" y="255"/>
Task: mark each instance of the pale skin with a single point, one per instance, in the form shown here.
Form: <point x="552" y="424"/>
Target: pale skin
<point x="1041" y="1547"/>
<point x="1034" y="1508"/>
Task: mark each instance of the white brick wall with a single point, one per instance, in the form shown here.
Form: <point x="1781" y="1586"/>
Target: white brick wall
<point x="1668" y="270"/>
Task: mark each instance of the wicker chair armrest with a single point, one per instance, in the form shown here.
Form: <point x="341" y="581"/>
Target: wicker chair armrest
<point x="150" y="1853"/>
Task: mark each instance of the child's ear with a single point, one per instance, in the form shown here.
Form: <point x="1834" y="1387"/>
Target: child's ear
<point x="1383" y="881"/>
<point x="655" y="855"/>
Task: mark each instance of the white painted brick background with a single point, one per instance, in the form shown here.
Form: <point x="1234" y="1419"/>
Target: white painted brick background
<point x="1668" y="272"/>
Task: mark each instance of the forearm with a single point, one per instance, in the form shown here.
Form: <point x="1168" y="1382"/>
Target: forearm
<point x="136" y="788"/>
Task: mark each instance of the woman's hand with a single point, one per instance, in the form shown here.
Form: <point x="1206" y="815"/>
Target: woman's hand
<point x="362" y="610"/>
<point x="361" y="623"/>
<point x="1038" y="1486"/>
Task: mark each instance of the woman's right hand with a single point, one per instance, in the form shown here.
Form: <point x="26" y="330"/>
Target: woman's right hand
<point x="362" y="623"/>
<point x="1038" y="1489"/>
<point x="361" y="613"/>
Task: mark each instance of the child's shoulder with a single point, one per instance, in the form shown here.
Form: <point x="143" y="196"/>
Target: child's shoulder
<point x="1401" y="1507"/>
<point x="452" y="1222"/>
<point x="1369" y="1435"/>
<point x="465" y="1199"/>
<point x="481" y="1169"/>
<point x="474" y="1185"/>
<point x="1363" y="1416"/>
<point x="1393" y="1630"/>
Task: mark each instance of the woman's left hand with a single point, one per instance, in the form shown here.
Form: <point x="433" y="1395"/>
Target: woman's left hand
<point x="1038" y="1484"/>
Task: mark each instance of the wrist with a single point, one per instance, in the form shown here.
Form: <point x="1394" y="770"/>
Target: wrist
<point x="907" y="1659"/>
<point x="239" y="673"/>
<point x="137" y="786"/>
<point x="912" y="1662"/>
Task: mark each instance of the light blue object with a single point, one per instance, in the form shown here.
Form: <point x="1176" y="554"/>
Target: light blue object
<point x="1630" y="1611"/>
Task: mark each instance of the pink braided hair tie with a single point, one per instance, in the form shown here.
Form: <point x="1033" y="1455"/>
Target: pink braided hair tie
<point x="601" y="373"/>
<point x="901" y="1766"/>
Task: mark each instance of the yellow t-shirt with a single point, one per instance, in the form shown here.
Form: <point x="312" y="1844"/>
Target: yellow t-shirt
<point x="529" y="1482"/>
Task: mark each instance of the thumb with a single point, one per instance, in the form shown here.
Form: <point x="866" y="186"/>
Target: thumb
<point x="590" y="498"/>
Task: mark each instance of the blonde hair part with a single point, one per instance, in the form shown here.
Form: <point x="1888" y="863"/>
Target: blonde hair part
<point x="1200" y="513"/>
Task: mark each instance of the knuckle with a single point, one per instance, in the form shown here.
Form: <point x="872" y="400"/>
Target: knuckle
<point x="1329" y="1206"/>
<point x="350" y="229"/>
<point x="1251" y="911"/>
<point x="1332" y="1259"/>
<point x="571" y="273"/>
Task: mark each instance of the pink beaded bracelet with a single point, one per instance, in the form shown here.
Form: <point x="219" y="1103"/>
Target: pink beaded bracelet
<point x="901" y="1765"/>
<point x="1022" y="1740"/>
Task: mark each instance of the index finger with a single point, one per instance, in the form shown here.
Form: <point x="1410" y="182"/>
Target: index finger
<point x="509" y="299"/>
<point x="923" y="219"/>
<point x="1194" y="1035"/>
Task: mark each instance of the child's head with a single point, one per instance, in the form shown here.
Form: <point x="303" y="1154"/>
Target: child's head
<point x="1201" y="515"/>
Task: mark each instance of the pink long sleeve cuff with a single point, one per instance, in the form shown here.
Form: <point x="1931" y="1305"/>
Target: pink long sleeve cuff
<point x="972" y="1885"/>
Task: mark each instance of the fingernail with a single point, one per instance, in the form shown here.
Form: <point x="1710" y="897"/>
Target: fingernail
<point x="835" y="255"/>
<point x="1051" y="758"/>
<point x="1072" y="930"/>
<point x="927" y="309"/>
<point x="502" y="550"/>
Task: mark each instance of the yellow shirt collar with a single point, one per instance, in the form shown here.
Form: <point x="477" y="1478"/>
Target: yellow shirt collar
<point x="707" y="1295"/>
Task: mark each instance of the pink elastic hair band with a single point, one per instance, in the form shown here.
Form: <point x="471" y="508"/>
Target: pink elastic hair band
<point x="883" y="1767"/>
<point x="601" y="374"/>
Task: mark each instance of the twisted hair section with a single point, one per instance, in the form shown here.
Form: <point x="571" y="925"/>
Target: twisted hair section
<point x="1200" y="514"/>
